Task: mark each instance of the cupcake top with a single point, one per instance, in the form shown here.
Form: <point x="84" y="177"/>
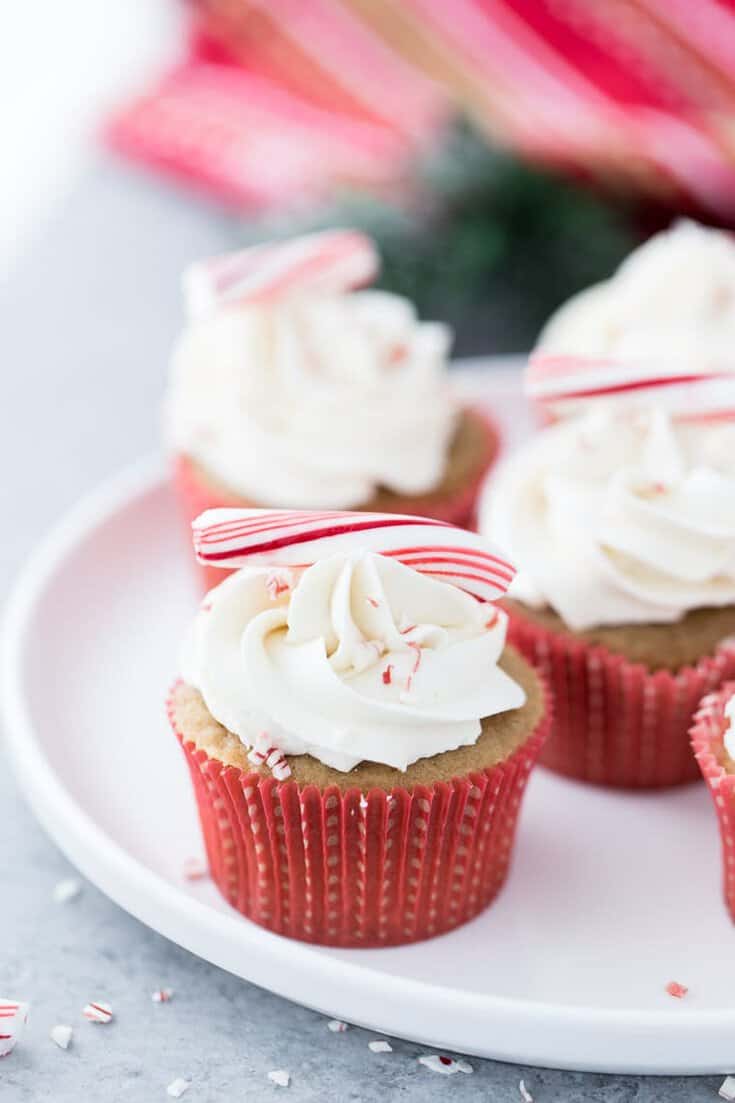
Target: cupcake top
<point x="671" y="300"/>
<point x="305" y="392"/>
<point x="620" y="515"/>
<point x="350" y="637"/>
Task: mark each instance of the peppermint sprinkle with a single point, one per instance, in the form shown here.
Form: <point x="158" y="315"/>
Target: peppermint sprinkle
<point x="206" y="606"/>
<point x="678" y="991"/>
<point x="13" y="1017"/>
<point x="336" y="1026"/>
<point x="263" y="754"/>
<point x="727" y="1088"/>
<point x="380" y="1046"/>
<point x="493" y="619"/>
<point x="445" y="1066"/>
<point x="278" y="583"/>
<point x="66" y="890"/>
<point x="388" y="674"/>
<point x="371" y="601"/>
<point x="524" y="1092"/>
<point x="177" y="1087"/>
<point x="98" y="1012"/>
<point x="61" y="1035"/>
<point x="280" y="1077"/>
<point x="194" y="869"/>
<point x="162" y="995"/>
<point x="416" y="664"/>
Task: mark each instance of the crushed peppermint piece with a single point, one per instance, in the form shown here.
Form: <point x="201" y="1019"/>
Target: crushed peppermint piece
<point x="61" y="1035"/>
<point x="388" y="674"/>
<point x="98" y="1012"/>
<point x="194" y="869"/>
<point x="13" y="1017"/>
<point x="337" y="1026"/>
<point x="678" y="991"/>
<point x="380" y="1046"/>
<point x="206" y="606"/>
<point x="524" y="1092"/>
<point x="263" y="753"/>
<point x="280" y="1077"/>
<point x="492" y="620"/>
<point x="727" y="1088"/>
<point x="446" y="1066"/>
<point x="177" y="1087"/>
<point x="162" y="995"/>
<point x="416" y="664"/>
<point x="66" y="890"/>
<point x="371" y="601"/>
<point x="277" y="583"/>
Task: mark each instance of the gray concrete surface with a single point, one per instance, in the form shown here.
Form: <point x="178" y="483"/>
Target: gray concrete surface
<point x="87" y="320"/>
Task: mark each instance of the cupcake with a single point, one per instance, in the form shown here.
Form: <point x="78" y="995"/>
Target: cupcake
<point x="292" y="389"/>
<point x="713" y="742"/>
<point x="622" y="523"/>
<point x="671" y="303"/>
<point x="359" y="737"/>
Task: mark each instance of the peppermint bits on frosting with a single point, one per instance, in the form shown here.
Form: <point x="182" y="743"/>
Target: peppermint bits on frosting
<point x="333" y="261"/>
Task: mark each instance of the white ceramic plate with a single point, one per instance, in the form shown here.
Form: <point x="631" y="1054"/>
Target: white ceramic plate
<point x="611" y="895"/>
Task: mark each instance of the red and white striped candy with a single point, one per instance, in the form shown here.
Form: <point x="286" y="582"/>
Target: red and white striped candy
<point x="98" y="1012"/>
<point x="333" y="261"/>
<point x="564" y="385"/>
<point x="264" y="754"/>
<point x="13" y="1017"/>
<point x="298" y="538"/>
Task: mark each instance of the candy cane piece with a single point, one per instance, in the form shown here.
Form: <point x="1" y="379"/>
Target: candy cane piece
<point x="98" y="1012"/>
<point x="333" y="261"/>
<point x="263" y="753"/>
<point x="13" y="1017"/>
<point x="564" y="384"/>
<point x="298" y="538"/>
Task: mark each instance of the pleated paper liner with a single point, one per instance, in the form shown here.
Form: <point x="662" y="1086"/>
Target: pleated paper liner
<point x="707" y="737"/>
<point x="196" y="494"/>
<point x="616" y="722"/>
<point x="347" y="868"/>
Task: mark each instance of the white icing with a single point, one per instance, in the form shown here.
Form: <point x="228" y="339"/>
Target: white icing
<point x="315" y="401"/>
<point x="672" y="300"/>
<point x="308" y="665"/>
<point x="616" y="518"/>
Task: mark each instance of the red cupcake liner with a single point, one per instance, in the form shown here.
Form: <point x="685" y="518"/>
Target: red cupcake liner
<point x="346" y="868"/>
<point x="617" y="722"/>
<point x="195" y="495"/>
<point x="707" y="736"/>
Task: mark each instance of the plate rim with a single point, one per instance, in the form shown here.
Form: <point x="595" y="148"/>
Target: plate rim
<point x="186" y="921"/>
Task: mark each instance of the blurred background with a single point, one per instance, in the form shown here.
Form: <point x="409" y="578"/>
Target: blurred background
<point x="505" y="153"/>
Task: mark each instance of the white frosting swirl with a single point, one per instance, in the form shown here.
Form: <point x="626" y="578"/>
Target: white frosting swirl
<point x="620" y="518"/>
<point x="672" y="300"/>
<point x="730" y="729"/>
<point x="315" y="401"/>
<point x="309" y="665"/>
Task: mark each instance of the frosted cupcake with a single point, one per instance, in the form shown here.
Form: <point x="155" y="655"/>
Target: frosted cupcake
<point x="292" y="389"/>
<point x="359" y="736"/>
<point x="671" y="303"/>
<point x="713" y="742"/>
<point x="622" y="524"/>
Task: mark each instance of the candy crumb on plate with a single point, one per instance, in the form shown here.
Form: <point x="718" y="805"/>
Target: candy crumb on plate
<point x="380" y="1046"/>
<point x="66" y="890"/>
<point x="13" y="1017"/>
<point x="337" y="1026"/>
<point x="194" y="869"/>
<point x="162" y="995"/>
<point x="524" y="1092"/>
<point x="98" y="1012"/>
<point x="446" y="1066"/>
<point x="280" y="1077"/>
<point x="678" y="991"/>
<point x="61" y="1035"/>
<point x="177" y="1087"/>
<point x="727" y="1088"/>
